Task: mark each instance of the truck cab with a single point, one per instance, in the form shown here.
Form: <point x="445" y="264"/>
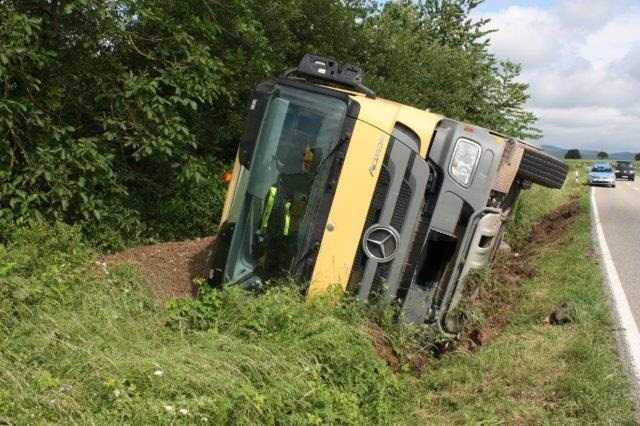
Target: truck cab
<point x="335" y="187"/>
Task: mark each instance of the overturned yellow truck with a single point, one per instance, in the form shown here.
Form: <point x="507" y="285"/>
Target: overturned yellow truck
<point x="334" y="186"/>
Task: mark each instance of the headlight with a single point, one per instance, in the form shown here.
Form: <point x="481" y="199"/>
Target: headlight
<point x="464" y="161"/>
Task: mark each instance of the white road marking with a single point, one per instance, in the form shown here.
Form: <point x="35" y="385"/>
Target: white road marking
<point x="630" y="332"/>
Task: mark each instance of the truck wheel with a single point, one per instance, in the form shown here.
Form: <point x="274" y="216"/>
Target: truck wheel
<point x="543" y="169"/>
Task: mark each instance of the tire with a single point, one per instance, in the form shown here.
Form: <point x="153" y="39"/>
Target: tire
<point x="543" y="169"/>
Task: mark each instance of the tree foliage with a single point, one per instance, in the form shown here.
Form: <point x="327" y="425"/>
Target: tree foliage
<point x="120" y="115"/>
<point x="603" y="155"/>
<point x="573" y="154"/>
<point x="638" y="157"/>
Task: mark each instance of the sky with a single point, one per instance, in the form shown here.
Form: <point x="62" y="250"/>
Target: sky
<point x="581" y="59"/>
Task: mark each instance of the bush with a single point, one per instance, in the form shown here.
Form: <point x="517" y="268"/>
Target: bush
<point x="573" y="154"/>
<point x="119" y="116"/>
<point x="35" y="270"/>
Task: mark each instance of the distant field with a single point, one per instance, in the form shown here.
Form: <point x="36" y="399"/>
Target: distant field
<point x="78" y="346"/>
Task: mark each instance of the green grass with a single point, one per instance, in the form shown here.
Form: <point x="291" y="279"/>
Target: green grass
<point x="83" y="349"/>
<point x="534" y="373"/>
<point x="538" y="201"/>
<point x="79" y="347"/>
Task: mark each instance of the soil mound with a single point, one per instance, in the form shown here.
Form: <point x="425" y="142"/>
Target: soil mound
<point x="168" y="268"/>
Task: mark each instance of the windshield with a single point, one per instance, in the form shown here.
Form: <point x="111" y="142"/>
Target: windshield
<point x="299" y="132"/>
<point x="599" y="168"/>
<point x="624" y="165"/>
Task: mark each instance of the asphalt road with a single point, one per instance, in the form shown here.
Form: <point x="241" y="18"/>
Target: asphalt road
<point x="617" y="231"/>
<point x="619" y="210"/>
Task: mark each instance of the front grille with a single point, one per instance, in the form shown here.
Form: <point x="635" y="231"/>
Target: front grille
<point x="397" y="203"/>
<point x="404" y="198"/>
<point x="379" y="195"/>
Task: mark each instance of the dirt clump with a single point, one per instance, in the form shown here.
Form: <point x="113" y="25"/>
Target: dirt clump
<point x="169" y="268"/>
<point x="510" y="269"/>
<point x="382" y="345"/>
<point x="561" y="315"/>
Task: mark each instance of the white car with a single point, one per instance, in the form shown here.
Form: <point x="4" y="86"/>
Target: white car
<point x="602" y="174"/>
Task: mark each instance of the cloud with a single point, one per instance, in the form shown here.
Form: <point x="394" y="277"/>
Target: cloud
<point x="582" y="61"/>
<point x="583" y="85"/>
<point x="527" y="35"/>
<point x="630" y="64"/>
<point x="585" y="15"/>
<point x="614" y="40"/>
<point x="598" y="128"/>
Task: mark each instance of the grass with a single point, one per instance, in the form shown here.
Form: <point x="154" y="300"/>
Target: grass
<point x="77" y="347"/>
<point x="81" y="347"/>
<point x="534" y="373"/>
<point x="534" y="203"/>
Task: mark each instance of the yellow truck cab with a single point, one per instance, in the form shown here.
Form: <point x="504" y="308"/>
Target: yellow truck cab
<point x="334" y="186"/>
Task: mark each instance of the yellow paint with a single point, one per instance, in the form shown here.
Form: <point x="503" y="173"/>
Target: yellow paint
<point x="424" y="123"/>
<point x="500" y="139"/>
<point x="231" y="190"/>
<point x="348" y="212"/>
<point x="384" y="114"/>
<point x="376" y="120"/>
<point x="378" y="112"/>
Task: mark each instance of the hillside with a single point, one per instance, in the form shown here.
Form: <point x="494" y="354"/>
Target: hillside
<point x="587" y="154"/>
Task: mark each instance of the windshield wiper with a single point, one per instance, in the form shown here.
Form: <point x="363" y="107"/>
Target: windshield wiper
<point x="330" y="154"/>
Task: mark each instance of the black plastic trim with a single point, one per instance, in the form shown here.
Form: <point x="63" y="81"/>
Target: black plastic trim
<point x="247" y="145"/>
<point x="220" y="252"/>
<point x="309" y="87"/>
<point x="304" y="270"/>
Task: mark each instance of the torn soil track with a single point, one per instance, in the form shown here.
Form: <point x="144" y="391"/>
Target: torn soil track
<point x="509" y="270"/>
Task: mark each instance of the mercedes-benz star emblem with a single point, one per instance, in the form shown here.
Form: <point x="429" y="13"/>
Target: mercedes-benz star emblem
<point x="380" y="243"/>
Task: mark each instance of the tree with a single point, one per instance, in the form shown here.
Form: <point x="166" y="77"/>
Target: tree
<point x="573" y="154"/>
<point x="638" y="157"/>
<point x="603" y="155"/>
<point x="119" y="115"/>
<point x="410" y="49"/>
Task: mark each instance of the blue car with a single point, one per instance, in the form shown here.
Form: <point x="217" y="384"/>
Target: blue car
<point x="602" y="174"/>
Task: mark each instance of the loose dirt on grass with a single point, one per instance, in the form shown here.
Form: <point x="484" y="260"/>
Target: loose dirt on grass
<point x="554" y="225"/>
<point x="382" y="345"/>
<point x="169" y="268"/>
<point x="509" y="270"/>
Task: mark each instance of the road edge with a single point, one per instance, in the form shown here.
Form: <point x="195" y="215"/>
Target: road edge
<point x="627" y="333"/>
